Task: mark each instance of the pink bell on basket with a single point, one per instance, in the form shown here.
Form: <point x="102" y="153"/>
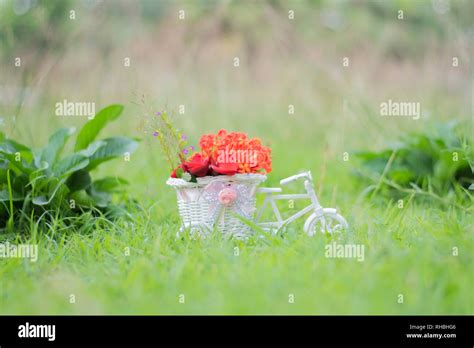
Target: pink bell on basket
<point x="227" y="196"/>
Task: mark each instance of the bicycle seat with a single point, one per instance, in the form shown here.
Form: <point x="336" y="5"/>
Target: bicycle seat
<point x="269" y="189"/>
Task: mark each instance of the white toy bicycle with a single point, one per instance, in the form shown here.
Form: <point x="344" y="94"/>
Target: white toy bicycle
<point x="224" y="201"/>
<point x="324" y="220"/>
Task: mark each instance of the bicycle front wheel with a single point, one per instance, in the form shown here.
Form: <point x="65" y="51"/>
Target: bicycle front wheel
<point x="331" y="222"/>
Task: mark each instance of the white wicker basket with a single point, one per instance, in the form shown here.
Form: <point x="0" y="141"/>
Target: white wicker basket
<point x="201" y="209"/>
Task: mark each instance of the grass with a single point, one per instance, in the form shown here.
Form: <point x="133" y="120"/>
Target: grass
<point x="408" y="251"/>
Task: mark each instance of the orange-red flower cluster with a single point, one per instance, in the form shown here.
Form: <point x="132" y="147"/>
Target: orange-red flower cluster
<point x="228" y="153"/>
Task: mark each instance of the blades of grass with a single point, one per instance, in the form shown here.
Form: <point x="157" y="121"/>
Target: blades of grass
<point x="384" y="173"/>
<point x="269" y="236"/>
<point x="11" y="212"/>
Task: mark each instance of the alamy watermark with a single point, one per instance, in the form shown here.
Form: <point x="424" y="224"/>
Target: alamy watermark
<point x="67" y="108"/>
<point x="237" y="156"/>
<point x="37" y="331"/>
<point x="402" y="109"/>
<point x="27" y="251"/>
<point x="345" y="251"/>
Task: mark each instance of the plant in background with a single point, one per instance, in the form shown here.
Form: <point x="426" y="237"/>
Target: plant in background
<point x="437" y="164"/>
<point x="173" y="143"/>
<point x="33" y="182"/>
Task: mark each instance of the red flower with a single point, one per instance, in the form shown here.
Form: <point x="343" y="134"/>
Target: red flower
<point x="228" y="153"/>
<point x="225" y="168"/>
<point x="249" y="154"/>
<point x="197" y="165"/>
<point x="207" y="144"/>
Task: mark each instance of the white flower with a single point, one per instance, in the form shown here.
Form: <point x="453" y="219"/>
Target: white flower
<point x="186" y="176"/>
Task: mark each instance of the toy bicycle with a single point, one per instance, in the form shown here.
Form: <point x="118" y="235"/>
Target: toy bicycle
<point x="321" y="219"/>
<point x="228" y="203"/>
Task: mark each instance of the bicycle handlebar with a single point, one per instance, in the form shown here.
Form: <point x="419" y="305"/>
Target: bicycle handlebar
<point x="295" y="177"/>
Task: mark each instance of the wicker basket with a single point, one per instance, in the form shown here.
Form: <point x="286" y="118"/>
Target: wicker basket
<point x="202" y="209"/>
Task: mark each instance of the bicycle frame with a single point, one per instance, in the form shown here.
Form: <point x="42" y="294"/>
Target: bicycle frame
<point x="271" y="198"/>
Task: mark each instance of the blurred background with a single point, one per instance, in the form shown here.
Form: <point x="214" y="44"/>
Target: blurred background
<point x="332" y="62"/>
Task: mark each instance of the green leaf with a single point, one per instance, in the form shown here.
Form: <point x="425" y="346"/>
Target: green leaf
<point x="70" y="164"/>
<point x="3" y="171"/>
<point x="82" y="198"/>
<point x="44" y="200"/>
<point x="39" y="172"/>
<point x="109" y="184"/>
<point x="92" y="128"/>
<point x="101" y="199"/>
<point x="19" y="183"/>
<point x="79" y="180"/>
<point x="5" y="196"/>
<point x="401" y="176"/>
<point x="11" y="146"/>
<point x="9" y="150"/>
<point x="41" y="200"/>
<point x="179" y="172"/>
<point x="55" y="144"/>
<point x="19" y="167"/>
<point x="114" y="147"/>
<point x="92" y="148"/>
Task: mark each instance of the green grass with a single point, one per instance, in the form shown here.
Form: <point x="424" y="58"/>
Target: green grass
<point x="408" y="251"/>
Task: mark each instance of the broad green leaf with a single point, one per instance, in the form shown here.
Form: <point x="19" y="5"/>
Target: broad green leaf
<point x="41" y="167"/>
<point x="18" y="155"/>
<point x="19" y="183"/>
<point x="11" y="146"/>
<point x="70" y="164"/>
<point x="5" y="196"/>
<point x="445" y="167"/>
<point x="92" y="128"/>
<point x="17" y="163"/>
<point x="3" y="171"/>
<point x="55" y="144"/>
<point x="114" y="147"/>
<point x="39" y="172"/>
<point x="92" y="148"/>
<point x="368" y="155"/>
<point x="79" y="180"/>
<point x="101" y="199"/>
<point x="401" y="176"/>
<point x="108" y="184"/>
<point x="43" y="199"/>
<point x="82" y="198"/>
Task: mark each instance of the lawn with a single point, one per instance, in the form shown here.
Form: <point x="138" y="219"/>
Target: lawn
<point x="140" y="267"/>
<point x="408" y="252"/>
<point x="419" y="257"/>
